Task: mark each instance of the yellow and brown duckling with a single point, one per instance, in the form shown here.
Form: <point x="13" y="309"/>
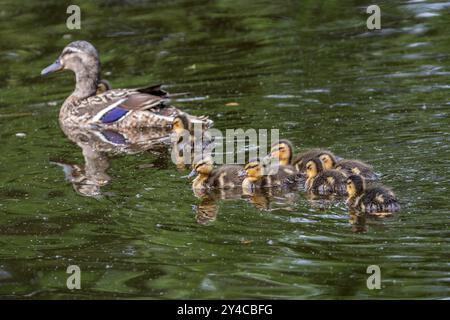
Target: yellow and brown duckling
<point x="188" y="139"/>
<point x="259" y="175"/>
<point x="208" y="177"/>
<point x="324" y="182"/>
<point x="348" y="167"/>
<point x="283" y="151"/>
<point x="376" y="200"/>
<point x="303" y="158"/>
<point x="102" y="86"/>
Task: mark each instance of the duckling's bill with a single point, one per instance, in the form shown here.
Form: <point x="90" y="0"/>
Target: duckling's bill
<point x="192" y="174"/>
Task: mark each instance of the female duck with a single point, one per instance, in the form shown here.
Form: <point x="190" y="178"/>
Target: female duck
<point x="324" y="182"/>
<point x="257" y="175"/>
<point x="116" y="108"/>
<point x="377" y="200"/>
<point x="208" y="177"/>
<point x="348" y="167"/>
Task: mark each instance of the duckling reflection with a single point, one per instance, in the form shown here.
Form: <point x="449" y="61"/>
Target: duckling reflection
<point x="98" y="145"/>
<point x="357" y="221"/>
<point x="208" y="208"/>
<point x="272" y="199"/>
<point x="323" y="202"/>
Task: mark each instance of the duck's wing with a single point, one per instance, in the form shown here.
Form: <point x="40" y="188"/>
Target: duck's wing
<point x="113" y="105"/>
<point x="154" y="90"/>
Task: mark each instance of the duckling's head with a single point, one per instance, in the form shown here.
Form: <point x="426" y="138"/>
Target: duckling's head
<point x="79" y="56"/>
<point x="355" y="185"/>
<point x="283" y="151"/>
<point x="203" y="166"/>
<point x="328" y="160"/>
<point x="180" y="124"/>
<point x="313" y="168"/>
<point x="102" y="86"/>
<point x="253" y="170"/>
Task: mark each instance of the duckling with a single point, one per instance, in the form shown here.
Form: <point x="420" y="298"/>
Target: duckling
<point x="303" y="158"/>
<point x="348" y="167"/>
<point x="377" y="200"/>
<point x="208" y="177"/>
<point x="259" y="175"/>
<point x="324" y="182"/>
<point x="182" y="142"/>
<point x="283" y="150"/>
<point x="189" y="140"/>
<point x="102" y="86"/>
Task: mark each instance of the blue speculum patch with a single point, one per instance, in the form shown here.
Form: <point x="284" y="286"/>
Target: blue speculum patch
<point x="114" y="115"/>
<point x="114" y="137"/>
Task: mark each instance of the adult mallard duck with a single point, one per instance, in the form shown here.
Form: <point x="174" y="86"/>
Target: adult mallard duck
<point x="117" y="108"/>
<point x="375" y="200"/>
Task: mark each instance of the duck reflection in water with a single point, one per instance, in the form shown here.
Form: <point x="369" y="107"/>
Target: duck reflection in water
<point x="98" y="145"/>
<point x="269" y="199"/>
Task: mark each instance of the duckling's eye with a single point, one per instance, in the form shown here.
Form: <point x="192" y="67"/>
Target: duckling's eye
<point x="199" y="165"/>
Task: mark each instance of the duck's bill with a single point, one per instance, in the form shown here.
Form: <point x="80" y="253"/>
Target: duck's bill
<point x="192" y="174"/>
<point x="55" y="66"/>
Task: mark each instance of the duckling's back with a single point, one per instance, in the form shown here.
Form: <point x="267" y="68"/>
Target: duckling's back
<point x="329" y="182"/>
<point x="280" y="176"/>
<point x="350" y="167"/>
<point x="378" y="199"/>
<point x="226" y="176"/>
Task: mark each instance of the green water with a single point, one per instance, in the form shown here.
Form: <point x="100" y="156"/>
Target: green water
<point x="308" y="68"/>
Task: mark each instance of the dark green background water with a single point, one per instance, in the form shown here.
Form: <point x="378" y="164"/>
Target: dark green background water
<point x="308" y="68"/>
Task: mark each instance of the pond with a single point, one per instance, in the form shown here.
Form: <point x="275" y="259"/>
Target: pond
<point x="310" y="69"/>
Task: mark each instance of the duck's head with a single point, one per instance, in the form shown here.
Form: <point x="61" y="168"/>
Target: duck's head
<point x="355" y="185"/>
<point x="78" y="56"/>
<point x="253" y="170"/>
<point x="203" y="166"/>
<point x="180" y="124"/>
<point x="313" y="168"/>
<point x="282" y="151"/>
<point x="328" y="160"/>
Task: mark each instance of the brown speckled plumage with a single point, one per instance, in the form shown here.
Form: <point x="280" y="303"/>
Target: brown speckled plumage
<point x="140" y="107"/>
